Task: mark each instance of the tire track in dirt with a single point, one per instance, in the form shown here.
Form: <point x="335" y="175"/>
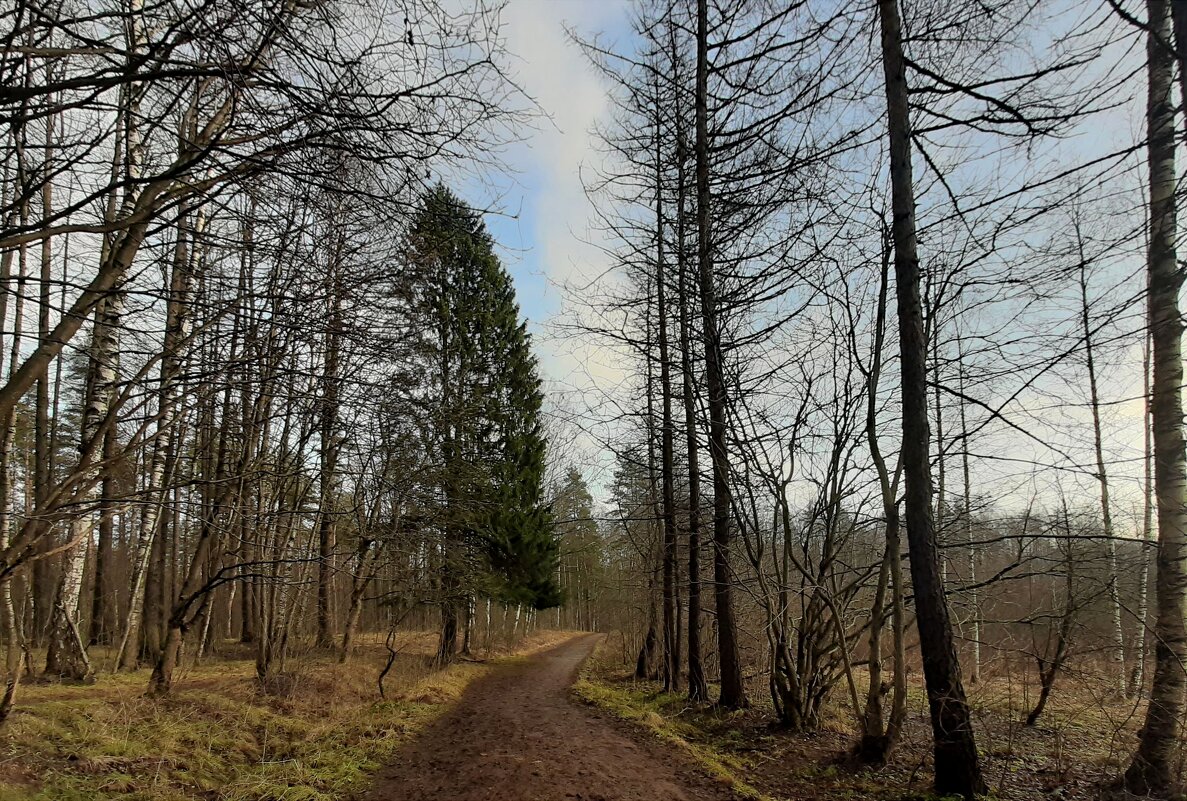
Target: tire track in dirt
<point x="516" y="735"/>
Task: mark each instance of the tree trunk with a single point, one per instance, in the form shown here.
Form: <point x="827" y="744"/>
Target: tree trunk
<point x="1117" y="652"/>
<point x="967" y="518"/>
<point x="671" y="672"/>
<point x="67" y="655"/>
<point x="1151" y="771"/>
<point x="1049" y="667"/>
<point x="1137" y="676"/>
<point x="248" y="602"/>
<point x="42" y="453"/>
<point x="645" y="664"/>
<point x="733" y="690"/>
<point x="957" y="766"/>
<point x="102" y="608"/>
<point x="879" y="735"/>
<point x="177" y="316"/>
<point x="161" y="681"/>
<point x="468" y="626"/>
<point x="698" y="690"/>
<point x="153" y="627"/>
<point x="486" y="629"/>
<point x="195" y="593"/>
<point x="192" y="598"/>
<point x="941" y="489"/>
<point x="353" y="614"/>
<point x="330" y="444"/>
<point x="447" y="640"/>
<point x="12" y="636"/>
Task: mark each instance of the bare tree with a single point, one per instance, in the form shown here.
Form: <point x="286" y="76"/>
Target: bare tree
<point x="957" y="764"/>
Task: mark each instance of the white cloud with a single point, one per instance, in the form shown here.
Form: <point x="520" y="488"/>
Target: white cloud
<point x="556" y="74"/>
<point x="556" y="219"/>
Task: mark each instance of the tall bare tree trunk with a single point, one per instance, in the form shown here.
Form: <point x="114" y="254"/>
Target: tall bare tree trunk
<point x="152" y="610"/>
<point x="733" y="690"/>
<point x="194" y="594"/>
<point x="1137" y="676"/>
<point x="671" y="671"/>
<point x="447" y="640"/>
<point x="1151" y="771"/>
<point x="41" y="592"/>
<point x="967" y="516"/>
<point x="102" y="608"/>
<point x="1117" y="652"/>
<point x="941" y="494"/>
<point x="218" y="475"/>
<point x="42" y="453"/>
<point x="13" y="664"/>
<point x="67" y="655"/>
<point x="957" y="765"/>
<point x="656" y="531"/>
<point x="330" y="444"/>
<point x="880" y="734"/>
<point x="645" y="663"/>
<point x="697" y="687"/>
<point x="168" y="396"/>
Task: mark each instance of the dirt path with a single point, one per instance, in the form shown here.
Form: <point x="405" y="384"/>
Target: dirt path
<point x="517" y="736"/>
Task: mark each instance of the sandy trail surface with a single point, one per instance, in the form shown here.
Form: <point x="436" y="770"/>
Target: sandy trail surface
<point x="516" y="735"/>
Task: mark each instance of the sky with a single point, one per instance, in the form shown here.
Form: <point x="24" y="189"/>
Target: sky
<point x="543" y="231"/>
<point x="543" y="221"/>
<point x="543" y="225"/>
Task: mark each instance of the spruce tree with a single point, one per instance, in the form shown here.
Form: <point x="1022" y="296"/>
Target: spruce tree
<point x="481" y="390"/>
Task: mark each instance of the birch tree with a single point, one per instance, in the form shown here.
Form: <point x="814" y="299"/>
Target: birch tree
<point x="1151" y="771"/>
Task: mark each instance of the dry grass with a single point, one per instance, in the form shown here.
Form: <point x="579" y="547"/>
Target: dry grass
<point x="219" y="737"/>
<point x="1082" y="741"/>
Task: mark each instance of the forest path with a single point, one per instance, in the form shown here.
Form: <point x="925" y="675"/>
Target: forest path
<point x="516" y="735"/>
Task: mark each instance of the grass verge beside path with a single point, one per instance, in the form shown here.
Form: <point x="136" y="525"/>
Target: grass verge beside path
<point x="698" y="733"/>
<point x="1082" y="742"/>
<point x="217" y="737"/>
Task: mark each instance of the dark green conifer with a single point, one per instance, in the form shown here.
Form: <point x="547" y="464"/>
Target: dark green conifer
<point x="482" y="388"/>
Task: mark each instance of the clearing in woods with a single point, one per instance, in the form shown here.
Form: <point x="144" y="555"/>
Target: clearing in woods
<point x="516" y="735"/>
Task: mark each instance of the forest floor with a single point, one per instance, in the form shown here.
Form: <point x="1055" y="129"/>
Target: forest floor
<point x="320" y="735"/>
<point x="537" y="720"/>
<point x="1083" y="740"/>
<point x="518" y="735"/>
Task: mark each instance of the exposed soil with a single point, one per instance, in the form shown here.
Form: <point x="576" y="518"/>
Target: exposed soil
<point x="516" y="735"/>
